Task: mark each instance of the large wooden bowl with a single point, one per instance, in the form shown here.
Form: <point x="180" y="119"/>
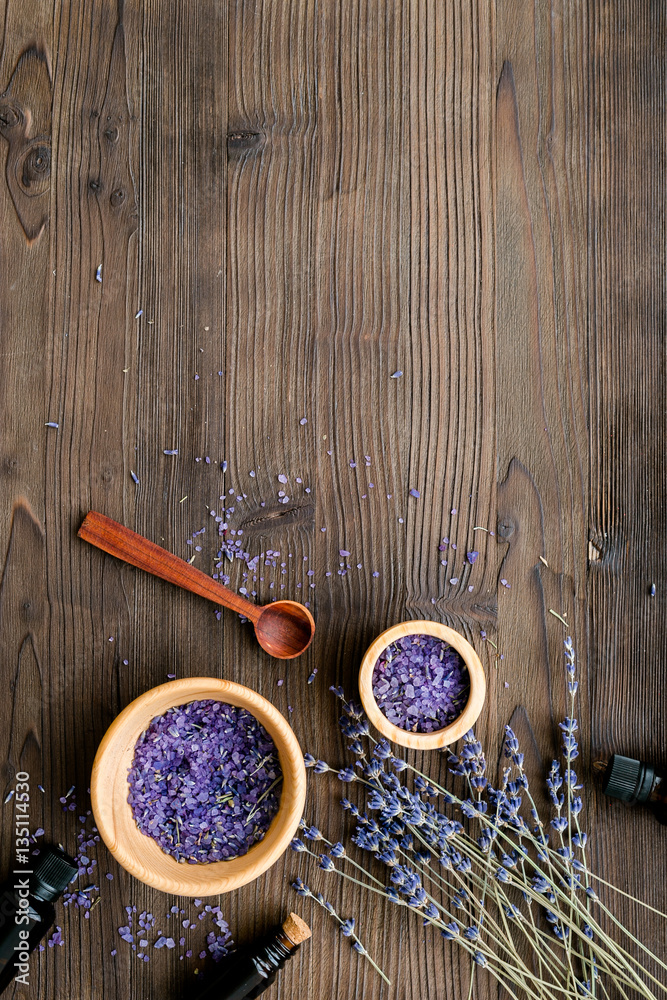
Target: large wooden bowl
<point x="461" y="724"/>
<point x="140" y="854"/>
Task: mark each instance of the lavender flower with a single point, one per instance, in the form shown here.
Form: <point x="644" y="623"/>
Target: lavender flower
<point x="301" y="888"/>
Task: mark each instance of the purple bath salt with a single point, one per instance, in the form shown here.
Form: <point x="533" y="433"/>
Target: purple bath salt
<point x="420" y="683"/>
<point x="205" y="781"/>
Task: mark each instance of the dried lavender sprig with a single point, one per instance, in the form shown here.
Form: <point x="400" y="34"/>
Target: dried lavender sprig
<point x="570" y="752"/>
<point x="337" y="851"/>
<point x="512" y="751"/>
<point x="347" y="926"/>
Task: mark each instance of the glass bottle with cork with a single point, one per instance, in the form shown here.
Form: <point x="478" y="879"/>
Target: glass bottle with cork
<point x="256" y="967"/>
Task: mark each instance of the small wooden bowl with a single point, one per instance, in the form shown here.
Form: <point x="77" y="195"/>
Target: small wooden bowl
<point x="138" y="853"/>
<point x="460" y="725"/>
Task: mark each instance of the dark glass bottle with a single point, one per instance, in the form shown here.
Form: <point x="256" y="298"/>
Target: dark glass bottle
<point x="26" y="911"/>
<point x="256" y="967"/>
<point x="635" y="782"/>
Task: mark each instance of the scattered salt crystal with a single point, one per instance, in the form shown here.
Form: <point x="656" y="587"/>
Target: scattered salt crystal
<point x="415" y="493"/>
<point x="397" y="374"/>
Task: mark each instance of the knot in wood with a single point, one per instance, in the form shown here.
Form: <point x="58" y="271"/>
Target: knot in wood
<point x="111" y="133"/>
<point x="242" y="140"/>
<point x="36" y="168"/>
<point x="117" y="197"/>
<point x="505" y="528"/>
<point x="10" y="115"/>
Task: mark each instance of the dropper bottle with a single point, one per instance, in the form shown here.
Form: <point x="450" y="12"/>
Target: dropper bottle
<point x="26" y="911"/>
<point x="635" y="782"/>
<point x="257" y="966"/>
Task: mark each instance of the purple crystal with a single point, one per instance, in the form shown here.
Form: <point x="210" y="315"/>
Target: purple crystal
<point x="421" y="683"/>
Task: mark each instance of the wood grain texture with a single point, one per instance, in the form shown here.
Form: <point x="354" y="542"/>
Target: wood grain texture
<point x="289" y="202"/>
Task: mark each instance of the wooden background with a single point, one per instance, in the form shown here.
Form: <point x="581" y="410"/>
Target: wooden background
<point x="306" y="196"/>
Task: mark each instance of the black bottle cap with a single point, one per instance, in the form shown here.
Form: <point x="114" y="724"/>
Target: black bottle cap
<point x="53" y="873"/>
<point x="627" y="779"/>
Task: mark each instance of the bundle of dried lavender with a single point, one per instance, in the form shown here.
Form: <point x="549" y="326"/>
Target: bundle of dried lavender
<point x="496" y="881"/>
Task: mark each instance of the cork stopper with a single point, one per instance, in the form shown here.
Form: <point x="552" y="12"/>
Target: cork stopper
<point x="296" y="929"/>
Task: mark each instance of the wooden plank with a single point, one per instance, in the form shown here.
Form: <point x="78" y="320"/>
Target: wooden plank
<point x="25" y="180"/>
<point x="626" y="320"/>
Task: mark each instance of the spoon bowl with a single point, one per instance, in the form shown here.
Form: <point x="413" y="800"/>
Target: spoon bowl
<point x="284" y="629"/>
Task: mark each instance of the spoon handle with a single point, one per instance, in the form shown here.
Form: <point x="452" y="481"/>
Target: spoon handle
<point x="132" y="548"/>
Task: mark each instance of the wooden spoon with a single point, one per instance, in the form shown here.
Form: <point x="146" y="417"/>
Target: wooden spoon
<point x="284" y="629"/>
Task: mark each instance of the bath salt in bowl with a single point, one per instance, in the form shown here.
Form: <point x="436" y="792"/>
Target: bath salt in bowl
<point x="205" y="781"/>
<point x="422" y="685"/>
<point x="198" y="786"/>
